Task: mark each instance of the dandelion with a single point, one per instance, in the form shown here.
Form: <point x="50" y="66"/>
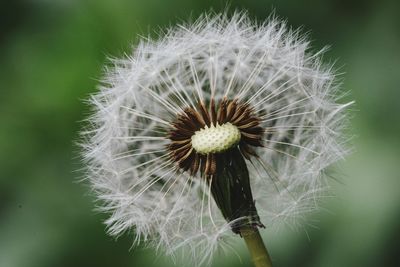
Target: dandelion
<point x="220" y="127"/>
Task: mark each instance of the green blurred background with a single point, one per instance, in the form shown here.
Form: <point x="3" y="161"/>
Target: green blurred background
<point x="51" y="55"/>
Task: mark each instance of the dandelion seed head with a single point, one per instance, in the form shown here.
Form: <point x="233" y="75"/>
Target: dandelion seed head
<point x="170" y="116"/>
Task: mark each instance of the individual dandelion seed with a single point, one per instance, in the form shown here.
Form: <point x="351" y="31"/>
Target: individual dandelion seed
<point x="220" y="126"/>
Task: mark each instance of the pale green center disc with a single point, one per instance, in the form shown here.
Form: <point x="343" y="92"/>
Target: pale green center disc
<point x="215" y="139"/>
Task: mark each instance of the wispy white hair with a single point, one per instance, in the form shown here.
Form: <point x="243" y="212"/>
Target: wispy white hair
<point x="265" y="65"/>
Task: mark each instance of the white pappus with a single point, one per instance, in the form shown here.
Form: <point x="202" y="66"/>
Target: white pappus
<point x="259" y="78"/>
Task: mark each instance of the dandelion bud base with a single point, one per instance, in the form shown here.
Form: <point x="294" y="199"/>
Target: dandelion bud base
<point x="230" y="188"/>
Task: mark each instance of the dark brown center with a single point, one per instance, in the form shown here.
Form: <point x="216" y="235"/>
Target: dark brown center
<point x="193" y="119"/>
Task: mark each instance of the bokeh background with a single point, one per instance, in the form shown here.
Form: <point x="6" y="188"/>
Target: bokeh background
<point x="51" y="57"/>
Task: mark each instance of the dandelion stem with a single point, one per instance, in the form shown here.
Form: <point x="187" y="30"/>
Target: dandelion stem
<point x="255" y="245"/>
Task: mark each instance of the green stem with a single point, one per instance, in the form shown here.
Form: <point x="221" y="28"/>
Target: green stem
<point x="255" y="245"/>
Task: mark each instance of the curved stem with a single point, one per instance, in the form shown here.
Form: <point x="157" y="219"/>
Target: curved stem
<point x="255" y="245"/>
